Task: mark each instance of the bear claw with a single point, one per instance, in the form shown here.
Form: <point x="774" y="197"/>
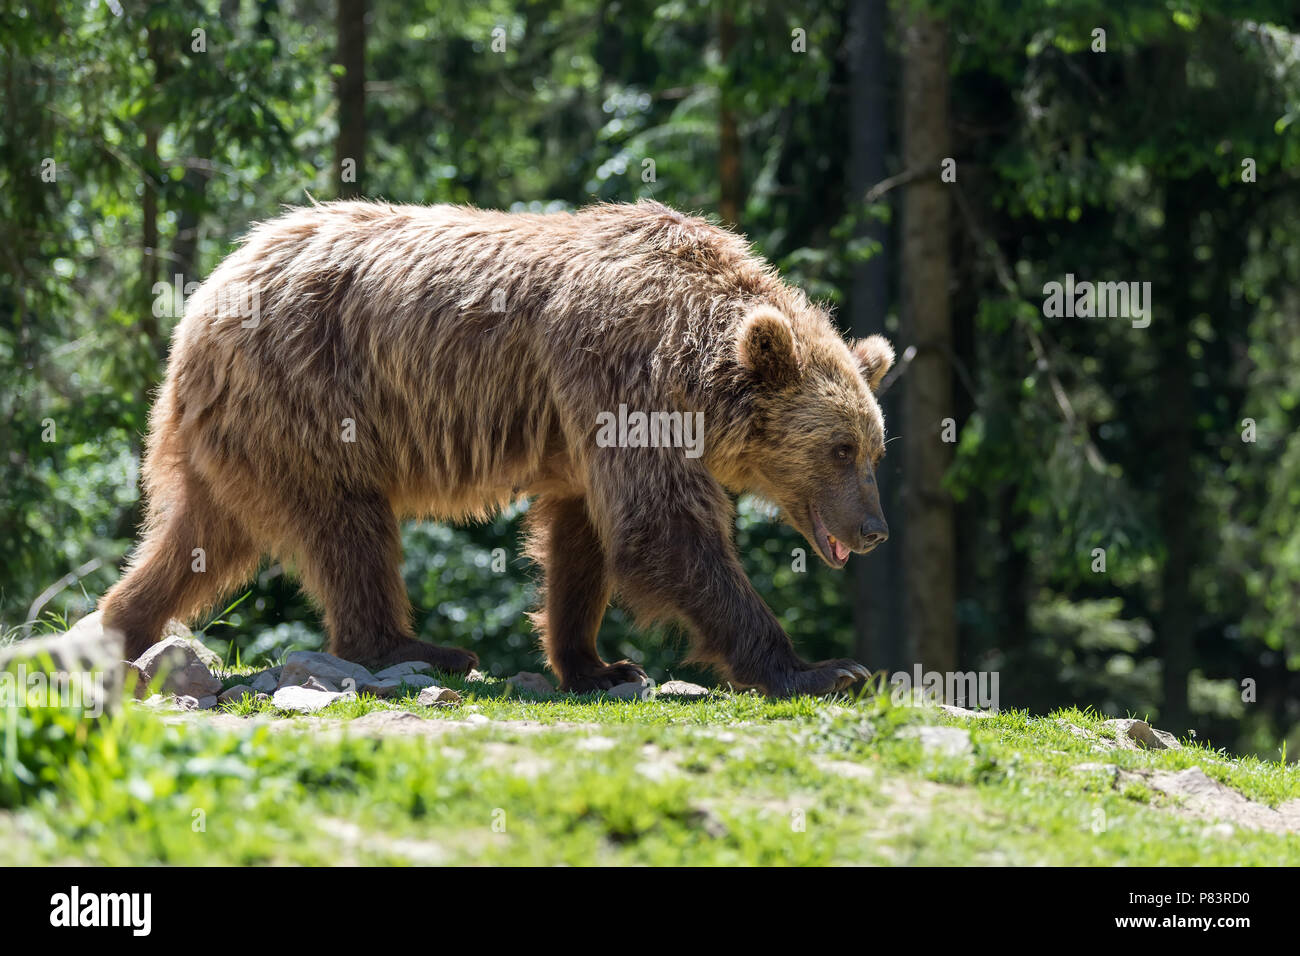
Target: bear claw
<point x="816" y="680"/>
<point x="603" y="678"/>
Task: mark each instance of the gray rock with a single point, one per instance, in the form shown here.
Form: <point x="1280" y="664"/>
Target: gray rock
<point x="236" y="693"/>
<point x="682" y="688"/>
<point x="173" y="666"/>
<point x="438" y="697"/>
<point x="1200" y="795"/>
<point x="319" y="683"/>
<point x="210" y="658"/>
<point x="942" y="741"/>
<point x="1142" y="734"/>
<point x="419" y="680"/>
<point x="392" y="686"/>
<point x="300" y="665"/>
<point x="303" y="700"/>
<point x="404" y="669"/>
<point x="189" y="702"/>
<point x="87" y="660"/>
<point x="531" y="683"/>
<point x="162" y="702"/>
<point x="956" y="711"/>
<point x="265" y="682"/>
<point x="387" y="687"/>
<point x="632" y="690"/>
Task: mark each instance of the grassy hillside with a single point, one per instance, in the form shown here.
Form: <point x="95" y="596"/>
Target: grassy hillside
<point x="730" y="779"/>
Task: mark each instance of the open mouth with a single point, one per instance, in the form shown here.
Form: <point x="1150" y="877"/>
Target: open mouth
<point x="835" y="552"/>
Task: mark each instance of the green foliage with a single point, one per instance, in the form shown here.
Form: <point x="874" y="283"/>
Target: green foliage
<point x="1068" y="161"/>
<point x="733" y="779"/>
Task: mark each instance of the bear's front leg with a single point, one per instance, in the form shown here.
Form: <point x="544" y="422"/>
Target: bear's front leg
<point x="575" y="594"/>
<point x="678" y="562"/>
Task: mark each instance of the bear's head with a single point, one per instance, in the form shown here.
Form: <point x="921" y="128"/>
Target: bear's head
<point x="817" y="431"/>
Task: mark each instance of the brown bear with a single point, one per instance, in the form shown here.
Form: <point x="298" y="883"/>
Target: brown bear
<point x="355" y="363"/>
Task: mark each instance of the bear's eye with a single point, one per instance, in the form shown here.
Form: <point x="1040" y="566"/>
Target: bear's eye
<point x="844" y="453"/>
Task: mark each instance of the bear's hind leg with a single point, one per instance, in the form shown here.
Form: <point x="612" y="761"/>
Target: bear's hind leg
<point x="192" y="553"/>
<point x="351" y="557"/>
<point x="577" y="591"/>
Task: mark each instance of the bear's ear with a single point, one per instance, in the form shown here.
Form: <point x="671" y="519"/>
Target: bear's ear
<point x="765" y="346"/>
<point x="875" y="357"/>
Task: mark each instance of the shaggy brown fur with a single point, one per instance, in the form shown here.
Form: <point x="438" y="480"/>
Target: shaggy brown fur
<point x="473" y="351"/>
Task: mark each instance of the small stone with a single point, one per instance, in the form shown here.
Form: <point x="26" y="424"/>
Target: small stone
<point x="303" y="700"/>
<point x="682" y="688"/>
<point x="319" y="683"/>
<point x="235" y="694"/>
<point x="419" y="680"/>
<point x="956" y="711"/>
<point x="210" y="658"/>
<point x="265" y="682"/>
<point x="207" y="703"/>
<point x="164" y="702"/>
<point x="1142" y="734"/>
<point x="89" y="656"/>
<point x="531" y="683"/>
<point x="300" y="665"/>
<point x="387" y="687"/>
<point x="475" y="677"/>
<point x="439" y="697"/>
<point x="478" y="719"/>
<point x="632" y="690"/>
<point x="404" y="669"/>
<point x="392" y="686"/>
<point x="173" y="666"/>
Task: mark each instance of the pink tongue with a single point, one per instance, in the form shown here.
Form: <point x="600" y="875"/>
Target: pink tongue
<point x="841" y="552"/>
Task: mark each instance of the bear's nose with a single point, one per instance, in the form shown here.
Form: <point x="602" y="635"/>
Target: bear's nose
<point x="873" y="532"/>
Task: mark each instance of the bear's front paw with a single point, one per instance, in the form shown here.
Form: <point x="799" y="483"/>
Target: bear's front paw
<point x="603" y="678"/>
<point x="816" y="680"/>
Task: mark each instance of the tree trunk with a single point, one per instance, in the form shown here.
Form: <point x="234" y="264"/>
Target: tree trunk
<point x="350" y="147"/>
<point x="730" y="190"/>
<point x="185" y="247"/>
<point x="149" y="238"/>
<point x="929" y="547"/>
<point x="1177" y="502"/>
<point x="876" y="582"/>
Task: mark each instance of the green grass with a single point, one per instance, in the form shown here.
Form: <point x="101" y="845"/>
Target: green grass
<point x="733" y="779"/>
